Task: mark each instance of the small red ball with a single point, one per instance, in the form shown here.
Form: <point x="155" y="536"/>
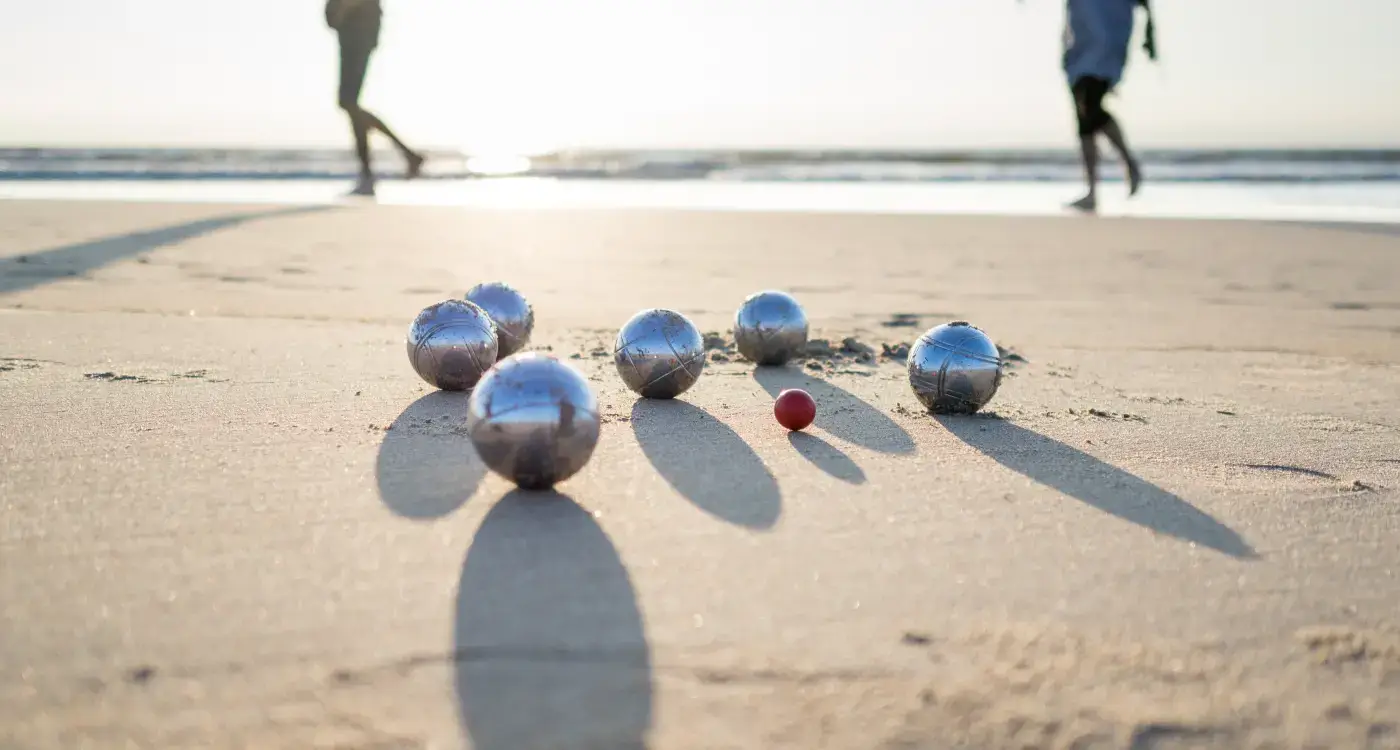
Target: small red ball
<point x="795" y="409"/>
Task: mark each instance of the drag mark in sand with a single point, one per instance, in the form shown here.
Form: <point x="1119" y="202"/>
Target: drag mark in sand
<point x="631" y="656"/>
<point x="902" y="320"/>
<point x="115" y="377"/>
<point x="784" y="676"/>
<point x="10" y="364"/>
<point x="1102" y="414"/>
<point x="237" y="279"/>
<point x="1290" y="469"/>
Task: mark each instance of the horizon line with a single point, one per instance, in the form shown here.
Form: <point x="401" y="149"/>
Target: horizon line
<point x="747" y="149"/>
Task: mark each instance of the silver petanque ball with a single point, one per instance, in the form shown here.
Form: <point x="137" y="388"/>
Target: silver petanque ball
<point x="509" y="310"/>
<point x="533" y="420"/>
<point x="659" y="353"/>
<point x="954" y="368"/>
<point x="770" y="328"/>
<point x="451" y="344"/>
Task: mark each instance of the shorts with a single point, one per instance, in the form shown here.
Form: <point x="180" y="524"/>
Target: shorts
<point x="1088" y="104"/>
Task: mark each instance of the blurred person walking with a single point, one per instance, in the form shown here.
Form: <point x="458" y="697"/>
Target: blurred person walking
<point x="356" y="23"/>
<point x="1097" y="35"/>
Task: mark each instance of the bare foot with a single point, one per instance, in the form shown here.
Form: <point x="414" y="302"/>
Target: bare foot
<point x="1134" y="178"/>
<point x="415" y="166"/>
<point x="1088" y="204"/>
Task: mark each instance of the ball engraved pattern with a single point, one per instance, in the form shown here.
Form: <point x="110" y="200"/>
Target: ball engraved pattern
<point x="954" y="368"/>
<point x="452" y="344"/>
<point x="659" y="353"/>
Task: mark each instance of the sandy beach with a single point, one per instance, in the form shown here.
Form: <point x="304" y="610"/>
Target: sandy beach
<point x="235" y="517"/>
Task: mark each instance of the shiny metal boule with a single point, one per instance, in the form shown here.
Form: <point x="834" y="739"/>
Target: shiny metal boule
<point x="509" y="310"/>
<point x="451" y="344"/>
<point x="659" y="353"/>
<point x="533" y="420"/>
<point x="954" y="369"/>
<point x="770" y="328"/>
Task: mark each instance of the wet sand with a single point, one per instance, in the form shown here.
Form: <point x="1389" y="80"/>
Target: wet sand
<point x="234" y="517"/>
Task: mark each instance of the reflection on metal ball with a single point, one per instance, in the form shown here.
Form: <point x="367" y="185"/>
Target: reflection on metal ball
<point x="770" y="328"/>
<point x="659" y="353"/>
<point x="451" y="344"/>
<point x="954" y="369"/>
<point x="533" y="420"/>
<point x="509" y="310"/>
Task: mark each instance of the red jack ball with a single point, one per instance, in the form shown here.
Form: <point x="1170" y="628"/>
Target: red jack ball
<point x="795" y="409"/>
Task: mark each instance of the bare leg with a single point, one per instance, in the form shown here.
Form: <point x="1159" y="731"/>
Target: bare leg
<point x="360" y="127"/>
<point x="364" y="186"/>
<point x="414" y="159"/>
<point x="1088" y="108"/>
<point x="1089" y="150"/>
<point x="1115" y="136"/>
<point x="355" y="52"/>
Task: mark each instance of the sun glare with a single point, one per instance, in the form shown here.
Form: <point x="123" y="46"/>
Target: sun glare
<point x="495" y="165"/>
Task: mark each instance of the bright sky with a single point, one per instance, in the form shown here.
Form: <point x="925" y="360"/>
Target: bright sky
<point x="529" y="75"/>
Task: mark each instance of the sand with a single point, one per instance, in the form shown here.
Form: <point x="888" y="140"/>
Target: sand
<point x="234" y="517"/>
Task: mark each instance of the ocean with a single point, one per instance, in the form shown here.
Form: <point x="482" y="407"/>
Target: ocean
<point x="1277" y="185"/>
<point x="1172" y="166"/>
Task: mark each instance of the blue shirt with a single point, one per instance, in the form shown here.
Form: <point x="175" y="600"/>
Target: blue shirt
<point x="1097" y="34"/>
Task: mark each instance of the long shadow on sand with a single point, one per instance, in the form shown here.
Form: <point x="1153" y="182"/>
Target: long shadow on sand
<point x="826" y="457"/>
<point x="427" y="466"/>
<point x="840" y="412"/>
<point x="707" y="462"/>
<point x="1096" y="483"/>
<point x="550" y="650"/>
<point x="56" y="263"/>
